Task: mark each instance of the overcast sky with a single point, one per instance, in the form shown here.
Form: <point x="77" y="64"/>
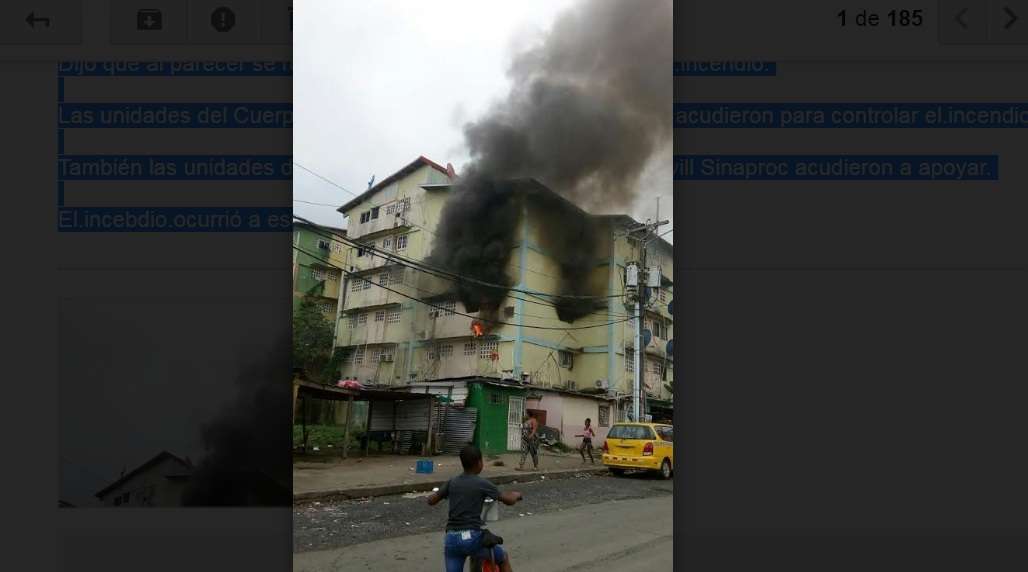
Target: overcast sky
<point x="378" y="83"/>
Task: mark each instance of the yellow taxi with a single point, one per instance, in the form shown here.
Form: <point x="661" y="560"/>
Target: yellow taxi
<point x="646" y="446"/>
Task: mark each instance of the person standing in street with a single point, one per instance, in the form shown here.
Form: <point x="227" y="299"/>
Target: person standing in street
<point x="587" y="441"/>
<point x="529" y="441"/>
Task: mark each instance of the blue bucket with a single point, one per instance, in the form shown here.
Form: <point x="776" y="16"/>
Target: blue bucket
<point x="425" y="466"/>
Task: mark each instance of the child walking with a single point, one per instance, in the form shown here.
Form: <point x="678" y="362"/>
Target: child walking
<point x="587" y="441"/>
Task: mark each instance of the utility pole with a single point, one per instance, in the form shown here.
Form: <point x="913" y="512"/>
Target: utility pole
<point x="638" y="278"/>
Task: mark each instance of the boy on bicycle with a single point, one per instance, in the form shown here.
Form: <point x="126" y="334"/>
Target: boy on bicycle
<point x="467" y="493"/>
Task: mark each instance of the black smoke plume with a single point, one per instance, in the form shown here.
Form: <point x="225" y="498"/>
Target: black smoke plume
<point x="589" y="107"/>
<point x="248" y="444"/>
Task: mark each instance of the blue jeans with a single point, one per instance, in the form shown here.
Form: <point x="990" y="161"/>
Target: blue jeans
<point x="460" y="544"/>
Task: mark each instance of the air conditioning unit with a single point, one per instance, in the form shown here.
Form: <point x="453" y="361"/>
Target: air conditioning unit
<point x="602" y="384"/>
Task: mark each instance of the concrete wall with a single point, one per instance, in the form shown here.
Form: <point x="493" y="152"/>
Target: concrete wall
<point x="567" y="413"/>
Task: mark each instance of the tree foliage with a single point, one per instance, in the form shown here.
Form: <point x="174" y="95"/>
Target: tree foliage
<point x="313" y="350"/>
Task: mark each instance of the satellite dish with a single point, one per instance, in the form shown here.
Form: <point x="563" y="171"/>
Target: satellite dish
<point x="647" y="337"/>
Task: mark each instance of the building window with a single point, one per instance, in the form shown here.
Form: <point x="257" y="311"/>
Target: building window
<point x="387" y="243"/>
<point x="365" y="216"/>
<point x="337" y="248"/>
<point x="403" y="205"/>
<point x="362" y="318"/>
<point x="566" y="359"/>
<point x="385" y="355"/>
<point x="393" y="317"/>
<point x="469" y="348"/>
<point x="380" y="316"/>
<point x="401" y="242"/>
<point x="390" y="208"/>
<point x="374" y="213"/>
<point x="446" y="350"/>
<point x="360" y="251"/>
<point x="353" y="321"/>
<point x="495" y="398"/>
<point x="604" y="416"/>
<point x="383" y="279"/>
<point x="356" y="286"/>
<point x="322" y="244"/>
<point x="327" y="307"/>
<point x="488" y="349"/>
<point x="629" y="360"/>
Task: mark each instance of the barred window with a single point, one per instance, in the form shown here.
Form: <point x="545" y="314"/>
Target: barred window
<point x="390" y="208"/>
<point x="380" y="316"/>
<point x="383" y="279"/>
<point x="365" y="284"/>
<point x="446" y="350"/>
<point x="566" y="358"/>
<point x="603" y="419"/>
<point x="376" y="355"/>
<point x="356" y="286"/>
<point x="469" y="348"/>
<point x="449" y="307"/>
<point x="393" y="317"/>
<point x="629" y="360"/>
<point x="487" y="349"/>
<point x="353" y="321"/>
<point x="362" y="318"/>
<point x="401" y="242"/>
<point x="319" y="273"/>
<point x="387" y="243"/>
<point x="358" y="356"/>
<point x="403" y="205"/>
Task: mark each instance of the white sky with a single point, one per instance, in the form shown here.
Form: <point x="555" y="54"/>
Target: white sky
<point x="378" y="83"/>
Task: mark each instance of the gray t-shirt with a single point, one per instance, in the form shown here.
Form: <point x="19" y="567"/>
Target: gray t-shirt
<point x="467" y="494"/>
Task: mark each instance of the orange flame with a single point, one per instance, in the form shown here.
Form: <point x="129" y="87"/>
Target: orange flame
<point x="477" y="328"/>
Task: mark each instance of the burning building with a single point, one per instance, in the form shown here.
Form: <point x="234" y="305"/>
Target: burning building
<point x="528" y="241"/>
<point x="402" y="318"/>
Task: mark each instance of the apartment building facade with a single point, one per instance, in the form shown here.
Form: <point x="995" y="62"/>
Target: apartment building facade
<point x="400" y="325"/>
<point x="318" y="256"/>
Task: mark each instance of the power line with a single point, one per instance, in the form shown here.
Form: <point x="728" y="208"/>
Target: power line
<point x="414" y="266"/>
<point x="432" y="232"/>
<point x="327" y="180"/>
<point x="431" y="305"/>
<point x="439" y="272"/>
<point x="315" y="204"/>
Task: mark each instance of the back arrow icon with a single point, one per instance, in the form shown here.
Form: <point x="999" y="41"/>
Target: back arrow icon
<point x="31" y="20"/>
<point x="960" y="18"/>
<point x="1013" y="17"/>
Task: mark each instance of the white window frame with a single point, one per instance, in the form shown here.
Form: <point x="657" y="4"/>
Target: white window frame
<point x="358" y="356"/>
<point x="400" y="242"/>
<point x="393" y="317"/>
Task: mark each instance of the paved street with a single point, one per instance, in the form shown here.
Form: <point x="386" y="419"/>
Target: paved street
<point x="569" y="524"/>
